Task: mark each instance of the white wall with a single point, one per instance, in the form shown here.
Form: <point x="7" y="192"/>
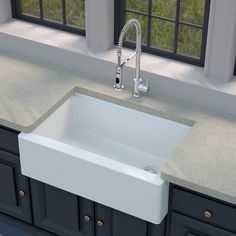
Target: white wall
<point x="221" y="41"/>
<point x="5" y="11"/>
<point x="100" y="23"/>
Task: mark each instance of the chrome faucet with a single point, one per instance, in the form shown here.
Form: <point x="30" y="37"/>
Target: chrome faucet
<point x="138" y="86"/>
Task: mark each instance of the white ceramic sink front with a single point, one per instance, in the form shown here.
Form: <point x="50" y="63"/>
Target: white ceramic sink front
<point x="99" y="150"/>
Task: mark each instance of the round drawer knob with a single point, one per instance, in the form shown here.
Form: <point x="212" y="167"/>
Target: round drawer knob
<point x="207" y="214"/>
<point x="100" y="223"/>
<point x="21" y="193"/>
<point x="87" y="218"/>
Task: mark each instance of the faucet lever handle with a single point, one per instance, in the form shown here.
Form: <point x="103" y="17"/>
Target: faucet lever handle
<point x="144" y="87"/>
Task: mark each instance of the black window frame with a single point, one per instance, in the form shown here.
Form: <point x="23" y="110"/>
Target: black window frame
<point x="17" y="13"/>
<point x="120" y="21"/>
<point x="235" y="68"/>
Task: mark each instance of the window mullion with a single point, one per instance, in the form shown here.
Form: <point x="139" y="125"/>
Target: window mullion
<point x="19" y="7"/>
<point x="205" y="29"/>
<point x="149" y="23"/>
<point x="63" y="2"/>
<point x="41" y="9"/>
<point x="177" y="27"/>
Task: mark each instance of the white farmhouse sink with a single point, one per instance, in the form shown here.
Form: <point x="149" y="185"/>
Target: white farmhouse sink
<point x="99" y="150"/>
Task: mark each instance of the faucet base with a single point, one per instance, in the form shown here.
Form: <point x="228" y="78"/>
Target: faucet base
<point x="119" y="88"/>
<point x="136" y="95"/>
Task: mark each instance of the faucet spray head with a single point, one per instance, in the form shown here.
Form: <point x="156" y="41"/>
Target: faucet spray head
<point x="118" y="85"/>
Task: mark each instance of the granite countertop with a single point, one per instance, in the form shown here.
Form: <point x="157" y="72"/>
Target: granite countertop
<point x="205" y="161"/>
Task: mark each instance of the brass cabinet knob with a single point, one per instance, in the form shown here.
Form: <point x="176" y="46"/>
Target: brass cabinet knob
<point x="87" y="218"/>
<point x="21" y="193"/>
<point x="207" y="214"/>
<point x="100" y="223"/>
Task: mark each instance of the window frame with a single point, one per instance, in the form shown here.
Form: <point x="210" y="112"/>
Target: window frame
<point x="235" y="68"/>
<point x="17" y="13"/>
<point x="119" y="12"/>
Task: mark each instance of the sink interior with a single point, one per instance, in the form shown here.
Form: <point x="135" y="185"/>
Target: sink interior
<point x="104" y="152"/>
<point x="125" y="135"/>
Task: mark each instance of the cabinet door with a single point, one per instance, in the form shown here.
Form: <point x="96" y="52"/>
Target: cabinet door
<point x="186" y="226"/>
<point x="14" y="196"/>
<point x="61" y="212"/>
<point x="110" y="222"/>
<point x="10" y="226"/>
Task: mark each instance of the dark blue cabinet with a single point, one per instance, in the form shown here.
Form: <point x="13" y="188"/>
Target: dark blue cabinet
<point x="14" y="194"/>
<point x="61" y="212"/>
<point x="186" y="226"/>
<point x="10" y="226"/>
<point x="66" y="214"/>
<point x="116" y="223"/>
<point x="195" y="214"/>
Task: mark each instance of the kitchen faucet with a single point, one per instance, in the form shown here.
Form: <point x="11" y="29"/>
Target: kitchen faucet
<point x="138" y="86"/>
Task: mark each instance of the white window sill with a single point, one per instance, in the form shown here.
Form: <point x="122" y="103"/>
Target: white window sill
<point x="158" y="67"/>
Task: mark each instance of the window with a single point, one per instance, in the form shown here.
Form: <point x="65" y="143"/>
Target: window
<point x="68" y="15"/>
<point x="175" y="29"/>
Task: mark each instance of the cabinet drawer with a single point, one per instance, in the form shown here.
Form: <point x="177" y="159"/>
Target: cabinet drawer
<point x="9" y="140"/>
<point x="182" y="225"/>
<point x="204" y="209"/>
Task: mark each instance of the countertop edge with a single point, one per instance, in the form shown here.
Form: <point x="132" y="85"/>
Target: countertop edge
<point x="198" y="188"/>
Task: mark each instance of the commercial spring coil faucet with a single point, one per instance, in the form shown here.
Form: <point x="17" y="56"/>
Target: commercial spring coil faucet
<point x="138" y="86"/>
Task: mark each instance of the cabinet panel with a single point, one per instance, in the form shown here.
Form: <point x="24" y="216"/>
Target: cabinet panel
<point x="157" y="230"/>
<point x="125" y="225"/>
<point x="103" y="220"/>
<point x="61" y="212"/>
<point x="10" y="226"/>
<point x="9" y="140"/>
<point x="117" y="223"/>
<point x="182" y="225"/>
<point x="60" y="206"/>
<point x="11" y="183"/>
<point x="196" y="206"/>
<point x="7" y="183"/>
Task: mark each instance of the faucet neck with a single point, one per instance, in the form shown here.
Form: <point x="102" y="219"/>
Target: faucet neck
<point x="124" y="32"/>
<point x="137" y="80"/>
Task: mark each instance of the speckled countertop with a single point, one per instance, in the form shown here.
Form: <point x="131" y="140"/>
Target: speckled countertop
<point x="205" y="161"/>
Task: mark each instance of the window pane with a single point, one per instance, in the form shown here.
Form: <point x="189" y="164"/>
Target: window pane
<point x="162" y="34"/>
<point x="192" y="11"/>
<point x="75" y="12"/>
<point x="52" y="10"/>
<point x="30" y="7"/>
<point x="189" y="41"/>
<point x="137" y="5"/>
<point x="131" y="35"/>
<point x="164" y="8"/>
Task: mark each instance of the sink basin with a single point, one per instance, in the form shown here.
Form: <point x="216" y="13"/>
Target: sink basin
<point x="104" y="152"/>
